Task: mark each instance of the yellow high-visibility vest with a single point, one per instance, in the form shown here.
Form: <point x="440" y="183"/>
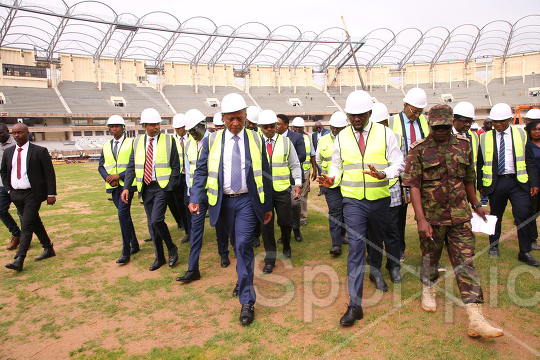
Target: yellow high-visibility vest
<point x="326" y="148"/>
<point x="307" y="164"/>
<point x="279" y="163"/>
<point x="394" y="123"/>
<point x="119" y="165"/>
<point x="192" y="152"/>
<point x="162" y="156"/>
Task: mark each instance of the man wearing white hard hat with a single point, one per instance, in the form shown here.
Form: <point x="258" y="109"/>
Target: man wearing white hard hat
<point x="507" y="171"/>
<point x="112" y="168"/>
<point x="309" y="167"/>
<point x="252" y="119"/>
<point x="180" y="191"/>
<point x="362" y="163"/>
<point x="334" y="199"/>
<point x="319" y="132"/>
<point x="411" y="125"/>
<point x="154" y="164"/>
<point x="218" y="122"/>
<point x="463" y="120"/>
<point x="532" y="128"/>
<point x="233" y="172"/>
<point x="283" y="163"/>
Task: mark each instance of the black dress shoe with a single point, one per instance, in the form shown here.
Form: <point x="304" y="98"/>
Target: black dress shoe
<point x="287" y="253"/>
<point x="173" y="256"/>
<point x="148" y="240"/>
<point x="377" y="278"/>
<point x="303" y="223"/>
<point x="279" y="241"/>
<point x="180" y="227"/>
<point x="157" y="264"/>
<point x="235" y="290"/>
<point x="189" y="276"/>
<point x="225" y="262"/>
<point x="527" y="258"/>
<point x="123" y="259"/>
<point x="17" y="264"/>
<point x="47" y="253"/>
<point x="134" y="250"/>
<point x="402" y="256"/>
<point x="297" y="235"/>
<point x="535" y="246"/>
<point x="395" y="276"/>
<point x="336" y="250"/>
<point x="185" y="239"/>
<point x="247" y="314"/>
<point x="494" y="251"/>
<point x="267" y="269"/>
<point x="256" y="242"/>
<point x="351" y="315"/>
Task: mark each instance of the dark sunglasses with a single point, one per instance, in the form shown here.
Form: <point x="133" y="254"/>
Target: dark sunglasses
<point x="441" y="127"/>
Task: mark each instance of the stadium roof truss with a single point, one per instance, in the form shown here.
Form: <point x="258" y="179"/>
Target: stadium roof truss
<point x="93" y="28"/>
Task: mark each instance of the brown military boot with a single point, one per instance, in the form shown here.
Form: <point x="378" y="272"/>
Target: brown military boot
<point x="14" y="243"/>
<point x="428" y="298"/>
<point x="478" y="326"/>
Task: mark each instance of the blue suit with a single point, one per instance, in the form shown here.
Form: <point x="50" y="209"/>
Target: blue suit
<point x="296" y="208"/>
<point x="240" y="214"/>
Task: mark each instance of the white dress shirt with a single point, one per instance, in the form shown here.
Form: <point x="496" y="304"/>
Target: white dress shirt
<point x="227" y="161"/>
<point x="509" y="166"/>
<point x="154" y="148"/>
<point x="23" y="182"/>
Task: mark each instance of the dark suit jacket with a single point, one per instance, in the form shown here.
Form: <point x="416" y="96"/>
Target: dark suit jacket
<point x="532" y="169"/>
<point x="39" y="168"/>
<point x="314" y="140"/>
<point x="201" y="173"/>
<point x="298" y="142"/>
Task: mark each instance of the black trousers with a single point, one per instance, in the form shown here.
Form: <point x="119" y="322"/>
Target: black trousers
<point x="282" y="205"/>
<point x="390" y="240"/>
<point x="535" y="212"/>
<point x="28" y="206"/>
<point x="334" y="200"/>
<point x="155" y="204"/>
<point x="177" y="202"/>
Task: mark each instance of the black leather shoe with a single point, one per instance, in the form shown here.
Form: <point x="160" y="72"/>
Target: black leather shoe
<point x="267" y="269"/>
<point x="494" y="251"/>
<point x="528" y="259"/>
<point x="180" y="227"/>
<point x="377" y="278"/>
<point x="256" y="242"/>
<point x="225" y="262"/>
<point x="235" y="290"/>
<point x="402" y="256"/>
<point x="47" y="253"/>
<point x="123" y="259"/>
<point x="351" y="315"/>
<point x="287" y="253"/>
<point x="17" y="264"/>
<point x="247" y="314"/>
<point x="173" y="256"/>
<point x="297" y="235"/>
<point x="535" y="246"/>
<point x="189" y="276"/>
<point x="395" y="276"/>
<point x="148" y="240"/>
<point x="157" y="264"/>
<point x="303" y="223"/>
<point x="134" y="250"/>
<point x="185" y="239"/>
<point x="336" y="250"/>
<point x="279" y="241"/>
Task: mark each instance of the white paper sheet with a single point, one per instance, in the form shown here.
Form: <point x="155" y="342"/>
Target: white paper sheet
<point x="478" y="224"/>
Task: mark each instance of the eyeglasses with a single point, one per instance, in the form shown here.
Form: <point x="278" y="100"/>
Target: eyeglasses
<point x="415" y="112"/>
<point x="464" y="120"/>
<point x="441" y="127"/>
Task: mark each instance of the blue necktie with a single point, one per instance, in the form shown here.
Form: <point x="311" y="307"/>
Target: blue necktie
<point x="501" y="154"/>
<point x="115" y="149"/>
<point x="236" y="166"/>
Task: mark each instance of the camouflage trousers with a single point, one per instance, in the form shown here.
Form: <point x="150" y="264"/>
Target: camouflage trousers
<point x="460" y="244"/>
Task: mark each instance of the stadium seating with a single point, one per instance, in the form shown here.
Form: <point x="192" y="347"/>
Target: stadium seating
<point x="30" y="100"/>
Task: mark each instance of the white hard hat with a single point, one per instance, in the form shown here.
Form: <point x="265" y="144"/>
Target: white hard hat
<point x="118" y="120"/>
<point x="267" y="117"/>
<point x="475" y="126"/>
<point x="500" y="111"/>
<point x="298" y="122"/>
<point x="193" y="117"/>
<point x="416" y="97"/>
<point x="232" y="103"/>
<point x="150" y="116"/>
<point x="178" y="121"/>
<point x="358" y="102"/>
<point x="379" y="113"/>
<point x="465" y="109"/>
<point x="338" y="119"/>
<point x="533" y="114"/>
<point x="253" y="114"/>
<point x="218" y="119"/>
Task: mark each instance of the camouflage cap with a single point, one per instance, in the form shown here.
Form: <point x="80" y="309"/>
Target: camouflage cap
<point x="441" y="115"/>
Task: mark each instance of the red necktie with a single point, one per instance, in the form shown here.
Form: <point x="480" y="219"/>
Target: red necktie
<point x="148" y="163"/>
<point x="413" y="134"/>
<point x="19" y="163"/>
<point x="361" y="143"/>
<point x="269" y="147"/>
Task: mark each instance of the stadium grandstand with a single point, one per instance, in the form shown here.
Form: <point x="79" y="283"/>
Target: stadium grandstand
<point x="66" y="69"/>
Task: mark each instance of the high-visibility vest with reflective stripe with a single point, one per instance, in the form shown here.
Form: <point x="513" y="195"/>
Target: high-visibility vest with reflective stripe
<point x="393" y="181"/>
<point x="307" y="164"/>
<point x="394" y="123"/>
<point x="354" y="183"/>
<point x="119" y="165"/>
<point x="488" y="147"/>
<point x="162" y="156"/>
<point x="326" y="148"/>
<point x="279" y="163"/>
<point x="181" y="151"/>
<point x="474" y="146"/>
<point x="214" y="158"/>
<point x="192" y="152"/>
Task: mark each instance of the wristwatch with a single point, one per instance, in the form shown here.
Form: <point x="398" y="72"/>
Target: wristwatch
<point x="474" y="207"/>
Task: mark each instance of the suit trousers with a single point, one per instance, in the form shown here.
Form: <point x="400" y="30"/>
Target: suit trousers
<point x="196" y="236"/>
<point x="304" y="195"/>
<point x="222" y="240"/>
<point x="178" y="195"/>
<point x="239" y="220"/>
<point x="535" y="212"/>
<point x="362" y="215"/>
<point x="296" y="210"/>
<point x="129" y="239"/>
<point x="5" y="216"/>
<point x="188" y="213"/>
<point x="390" y="240"/>
<point x="510" y="189"/>
<point x="282" y="204"/>
<point x="155" y="204"/>
<point x="28" y="206"/>
<point x="402" y="224"/>
<point x="334" y="200"/>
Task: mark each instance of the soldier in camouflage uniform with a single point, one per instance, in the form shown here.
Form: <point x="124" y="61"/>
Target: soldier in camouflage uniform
<point x="440" y="174"/>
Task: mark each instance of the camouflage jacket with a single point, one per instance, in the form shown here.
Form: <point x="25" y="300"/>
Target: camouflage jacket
<point x="440" y="173"/>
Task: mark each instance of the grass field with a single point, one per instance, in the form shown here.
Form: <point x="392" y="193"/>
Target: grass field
<point x="82" y="305"/>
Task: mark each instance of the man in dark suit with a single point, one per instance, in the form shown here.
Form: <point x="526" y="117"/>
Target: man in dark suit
<point x="315" y="137"/>
<point x="235" y="170"/>
<point x="28" y="176"/>
<point x="507" y="170"/>
<point x="298" y="142"/>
